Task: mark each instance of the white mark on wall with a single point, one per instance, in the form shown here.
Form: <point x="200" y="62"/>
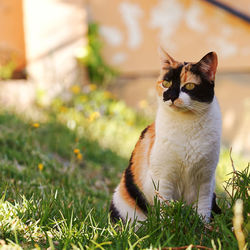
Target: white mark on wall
<point x="113" y="36"/>
<point x="131" y="13"/>
<point x="226" y="30"/>
<point x="119" y="58"/>
<point x="229" y="119"/>
<point x="241" y="141"/>
<point x="225" y="47"/>
<point x="193" y="18"/>
<point x="166" y="16"/>
<point x="228" y="34"/>
<point x="245" y="51"/>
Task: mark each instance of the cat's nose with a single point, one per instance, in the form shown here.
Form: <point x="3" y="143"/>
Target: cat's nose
<point x="173" y="98"/>
<point x="170" y="95"/>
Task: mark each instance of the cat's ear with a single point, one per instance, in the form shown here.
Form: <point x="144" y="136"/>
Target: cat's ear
<point x="166" y="59"/>
<point x="208" y="65"/>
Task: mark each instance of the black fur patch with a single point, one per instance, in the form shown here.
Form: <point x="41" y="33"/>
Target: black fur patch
<point x="215" y="208"/>
<point x="114" y="214"/>
<point x="144" y="132"/>
<point x="133" y="189"/>
<point x="173" y="92"/>
<point x="204" y="92"/>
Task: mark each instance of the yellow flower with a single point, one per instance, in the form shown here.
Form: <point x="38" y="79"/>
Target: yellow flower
<point x="35" y="125"/>
<point x="130" y="123"/>
<point x="63" y="109"/>
<point x="107" y="94"/>
<point x="79" y="156"/>
<point x="40" y="166"/>
<point x="75" y="89"/>
<point x="76" y="151"/>
<point x="84" y="98"/>
<point x="95" y="115"/>
<point x="37" y="246"/>
<point x="92" y="87"/>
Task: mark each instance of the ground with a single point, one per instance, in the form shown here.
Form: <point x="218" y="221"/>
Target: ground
<point x="60" y="164"/>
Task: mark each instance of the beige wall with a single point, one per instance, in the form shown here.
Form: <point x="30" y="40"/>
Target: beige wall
<point x="46" y="35"/>
<point x="11" y="31"/>
<point x="54" y="30"/>
<point x="188" y="29"/>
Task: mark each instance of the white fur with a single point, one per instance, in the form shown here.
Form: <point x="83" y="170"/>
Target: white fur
<point x="125" y="210"/>
<point x="185" y="153"/>
<point x="183" y="158"/>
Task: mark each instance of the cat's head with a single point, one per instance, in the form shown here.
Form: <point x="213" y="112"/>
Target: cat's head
<point x="186" y="86"/>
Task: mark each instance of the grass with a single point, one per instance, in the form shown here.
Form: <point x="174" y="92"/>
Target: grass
<point x="58" y="174"/>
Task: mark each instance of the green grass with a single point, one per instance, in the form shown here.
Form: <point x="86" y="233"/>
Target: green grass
<point x="50" y="197"/>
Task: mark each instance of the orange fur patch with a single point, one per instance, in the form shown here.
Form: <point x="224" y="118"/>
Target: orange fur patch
<point x="188" y="76"/>
<point x="140" y="160"/>
<point x="159" y="88"/>
<point x="141" y="151"/>
<point x="152" y="140"/>
<point x="124" y="193"/>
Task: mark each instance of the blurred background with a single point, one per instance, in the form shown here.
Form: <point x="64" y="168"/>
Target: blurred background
<point x="77" y="87"/>
<point x="51" y="48"/>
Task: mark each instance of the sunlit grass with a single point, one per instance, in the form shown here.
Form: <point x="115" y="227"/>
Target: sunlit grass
<point x="58" y="174"/>
<point x="100" y="116"/>
<point x="225" y="168"/>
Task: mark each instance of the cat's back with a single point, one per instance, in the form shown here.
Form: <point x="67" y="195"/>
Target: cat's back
<point x="128" y="195"/>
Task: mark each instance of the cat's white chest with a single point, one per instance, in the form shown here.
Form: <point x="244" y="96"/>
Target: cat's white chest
<point x="179" y="146"/>
<point x="185" y="152"/>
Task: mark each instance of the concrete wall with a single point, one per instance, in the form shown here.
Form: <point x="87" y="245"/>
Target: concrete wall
<point x="43" y="36"/>
<point x="12" y="45"/>
<point x="188" y="29"/>
<point x="54" y="30"/>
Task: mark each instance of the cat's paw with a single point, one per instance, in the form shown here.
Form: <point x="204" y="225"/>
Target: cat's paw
<point x="205" y="215"/>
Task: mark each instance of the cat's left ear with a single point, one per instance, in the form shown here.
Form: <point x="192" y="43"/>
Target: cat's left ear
<point x="166" y="60"/>
<point x="208" y="65"/>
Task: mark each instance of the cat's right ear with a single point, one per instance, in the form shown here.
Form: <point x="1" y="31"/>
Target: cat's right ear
<point x="166" y="60"/>
<point x="208" y="65"/>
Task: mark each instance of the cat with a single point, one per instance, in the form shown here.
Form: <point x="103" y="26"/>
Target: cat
<point x="179" y="152"/>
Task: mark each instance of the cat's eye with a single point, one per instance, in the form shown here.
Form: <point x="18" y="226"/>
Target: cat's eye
<point x="166" y="84"/>
<point x="190" y="86"/>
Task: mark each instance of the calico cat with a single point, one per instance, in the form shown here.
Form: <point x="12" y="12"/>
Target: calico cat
<point x="179" y="152"/>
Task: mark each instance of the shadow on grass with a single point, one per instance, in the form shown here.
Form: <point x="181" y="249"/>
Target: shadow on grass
<point x="52" y="144"/>
<point x="18" y="138"/>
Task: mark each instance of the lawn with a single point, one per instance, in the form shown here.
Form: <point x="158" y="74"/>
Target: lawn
<point x="60" y="164"/>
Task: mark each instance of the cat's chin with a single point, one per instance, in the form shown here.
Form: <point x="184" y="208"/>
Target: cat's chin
<point x="169" y="106"/>
<point x="173" y="107"/>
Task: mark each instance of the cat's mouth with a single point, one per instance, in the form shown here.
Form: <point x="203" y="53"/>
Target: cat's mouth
<point x="177" y="105"/>
<point x="178" y="108"/>
<point x="173" y="106"/>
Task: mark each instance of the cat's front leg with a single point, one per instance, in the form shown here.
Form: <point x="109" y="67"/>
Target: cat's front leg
<point x="205" y="200"/>
<point x="166" y="190"/>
